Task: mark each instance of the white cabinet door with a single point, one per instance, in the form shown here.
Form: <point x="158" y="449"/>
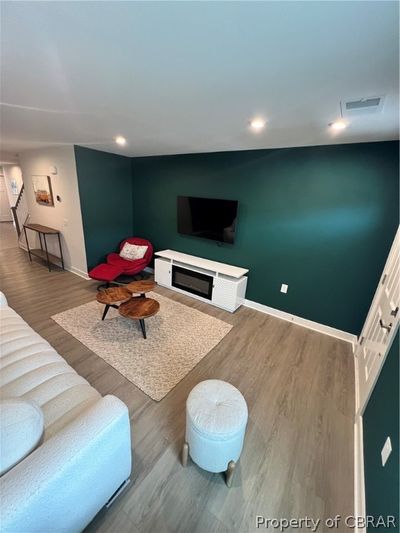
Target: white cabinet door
<point x="162" y="272"/>
<point x="380" y="327"/>
<point x="224" y="293"/>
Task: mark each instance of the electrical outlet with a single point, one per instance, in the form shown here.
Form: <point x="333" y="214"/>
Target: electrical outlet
<point x="284" y="288"/>
<point x="386" y="451"/>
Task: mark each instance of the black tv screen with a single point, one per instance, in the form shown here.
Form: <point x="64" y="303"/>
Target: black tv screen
<point x="208" y="218"/>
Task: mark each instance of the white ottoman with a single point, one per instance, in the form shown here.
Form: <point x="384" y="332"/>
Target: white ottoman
<point x="216" y="419"/>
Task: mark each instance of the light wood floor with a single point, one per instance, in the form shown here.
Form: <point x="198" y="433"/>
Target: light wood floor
<point x="298" y="454"/>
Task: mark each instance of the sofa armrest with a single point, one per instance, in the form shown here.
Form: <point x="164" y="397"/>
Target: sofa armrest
<point x="3" y="300"/>
<point x="62" y="485"/>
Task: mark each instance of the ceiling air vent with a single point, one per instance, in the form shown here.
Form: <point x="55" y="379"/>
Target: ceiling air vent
<point x="363" y="106"/>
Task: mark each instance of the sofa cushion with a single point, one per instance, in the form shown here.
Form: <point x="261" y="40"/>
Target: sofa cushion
<point x="31" y="369"/>
<point x="21" y="428"/>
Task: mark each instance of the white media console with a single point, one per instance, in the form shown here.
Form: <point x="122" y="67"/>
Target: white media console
<point x="212" y="282"/>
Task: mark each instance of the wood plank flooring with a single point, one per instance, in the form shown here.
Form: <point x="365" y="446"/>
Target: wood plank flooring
<point x="299" y="386"/>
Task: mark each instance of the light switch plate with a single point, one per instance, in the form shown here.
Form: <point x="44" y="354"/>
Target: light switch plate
<point x="386" y="451"/>
<point x="284" y="288"/>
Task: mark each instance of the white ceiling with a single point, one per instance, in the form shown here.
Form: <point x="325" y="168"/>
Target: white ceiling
<point x="179" y="77"/>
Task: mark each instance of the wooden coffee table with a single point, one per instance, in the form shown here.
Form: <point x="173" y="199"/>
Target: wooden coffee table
<point x="110" y="297"/>
<point x="141" y="287"/>
<point x="139" y="309"/>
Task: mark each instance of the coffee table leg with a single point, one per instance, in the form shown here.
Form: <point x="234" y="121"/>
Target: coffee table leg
<point x="105" y="311"/>
<point x="143" y="327"/>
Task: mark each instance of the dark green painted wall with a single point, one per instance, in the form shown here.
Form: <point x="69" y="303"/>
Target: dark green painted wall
<point x="381" y="419"/>
<point x="320" y="219"/>
<point x="105" y="190"/>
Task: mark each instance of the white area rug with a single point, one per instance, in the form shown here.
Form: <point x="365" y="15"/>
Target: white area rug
<point x="178" y="337"/>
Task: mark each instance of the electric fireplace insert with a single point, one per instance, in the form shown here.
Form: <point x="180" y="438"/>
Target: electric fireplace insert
<point x="192" y="281"/>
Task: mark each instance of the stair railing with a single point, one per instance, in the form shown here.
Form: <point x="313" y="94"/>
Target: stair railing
<point x="17" y="214"/>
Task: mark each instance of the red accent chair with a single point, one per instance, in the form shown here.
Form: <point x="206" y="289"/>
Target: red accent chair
<point x="130" y="268"/>
<point x="118" y="266"/>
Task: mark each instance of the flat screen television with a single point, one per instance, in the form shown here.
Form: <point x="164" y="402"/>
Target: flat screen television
<point x="208" y="218"/>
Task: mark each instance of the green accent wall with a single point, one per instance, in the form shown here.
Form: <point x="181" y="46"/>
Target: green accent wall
<point x="380" y="420"/>
<point x="321" y="219"/>
<point x="105" y="190"/>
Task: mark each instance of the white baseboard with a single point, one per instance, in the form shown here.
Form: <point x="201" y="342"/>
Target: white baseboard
<point x="78" y="272"/>
<point x="315" y="326"/>
<point x="84" y="274"/>
<point x="359" y="482"/>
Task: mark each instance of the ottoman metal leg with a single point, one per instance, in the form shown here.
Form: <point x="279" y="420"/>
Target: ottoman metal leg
<point x="229" y="473"/>
<point x="185" y="453"/>
<point x="103" y="286"/>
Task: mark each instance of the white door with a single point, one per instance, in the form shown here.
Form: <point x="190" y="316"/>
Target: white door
<point x="379" y="328"/>
<point x="162" y="272"/>
<point x="5" y="211"/>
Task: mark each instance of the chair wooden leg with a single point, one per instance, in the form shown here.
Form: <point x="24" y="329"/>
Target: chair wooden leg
<point x="185" y="453"/>
<point x="229" y="473"/>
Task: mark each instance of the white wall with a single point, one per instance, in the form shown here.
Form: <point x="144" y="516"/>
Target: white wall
<point x="12" y="172"/>
<point x="5" y="211"/>
<point x="65" y="215"/>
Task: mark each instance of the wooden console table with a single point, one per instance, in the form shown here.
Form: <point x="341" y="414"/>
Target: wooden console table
<point x="42" y="231"/>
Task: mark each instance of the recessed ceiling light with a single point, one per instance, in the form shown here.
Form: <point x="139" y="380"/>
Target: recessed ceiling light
<point x="338" y="125"/>
<point x="257" y="124"/>
<point x="120" y="140"/>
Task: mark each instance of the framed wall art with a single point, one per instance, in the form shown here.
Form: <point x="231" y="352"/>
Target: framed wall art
<point x="42" y="190"/>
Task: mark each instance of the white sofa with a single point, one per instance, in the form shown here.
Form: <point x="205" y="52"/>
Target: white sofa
<point x="85" y="454"/>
